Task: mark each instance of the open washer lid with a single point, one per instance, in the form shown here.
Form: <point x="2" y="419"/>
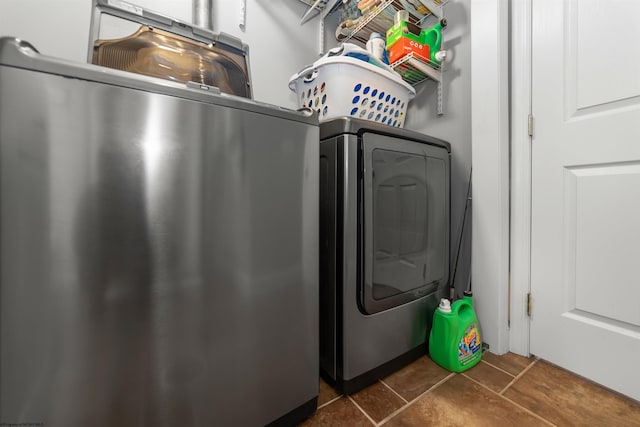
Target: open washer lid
<point x="129" y="38"/>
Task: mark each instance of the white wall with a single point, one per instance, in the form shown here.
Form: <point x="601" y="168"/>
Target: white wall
<point x="58" y="28"/>
<point x="279" y="46"/>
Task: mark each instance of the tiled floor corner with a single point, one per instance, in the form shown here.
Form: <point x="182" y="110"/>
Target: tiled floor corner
<point x="500" y="390"/>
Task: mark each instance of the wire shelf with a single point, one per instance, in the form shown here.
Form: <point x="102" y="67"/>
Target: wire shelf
<point x="320" y="6"/>
<point x="381" y="19"/>
<point x="414" y="69"/>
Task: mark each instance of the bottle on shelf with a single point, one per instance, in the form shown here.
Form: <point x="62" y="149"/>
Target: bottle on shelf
<point x="404" y="38"/>
<point x="376" y="46"/>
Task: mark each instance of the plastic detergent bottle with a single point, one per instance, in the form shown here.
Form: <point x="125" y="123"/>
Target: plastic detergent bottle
<point x="376" y="46"/>
<point x="454" y="342"/>
<point x="433" y="38"/>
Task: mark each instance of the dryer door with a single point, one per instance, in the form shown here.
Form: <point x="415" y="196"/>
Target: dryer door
<point x="405" y="228"/>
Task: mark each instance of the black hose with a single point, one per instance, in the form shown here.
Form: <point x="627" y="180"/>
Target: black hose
<point x="464" y="220"/>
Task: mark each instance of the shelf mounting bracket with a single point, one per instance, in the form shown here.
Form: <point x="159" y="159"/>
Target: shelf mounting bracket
<point x="435" y="8"/>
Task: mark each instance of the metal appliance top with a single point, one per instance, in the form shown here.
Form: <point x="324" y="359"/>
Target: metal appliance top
<point x="349" y="125"/>
<point x="18" y="53"/>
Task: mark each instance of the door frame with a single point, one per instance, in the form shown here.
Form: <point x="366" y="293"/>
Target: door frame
<point x="490" y="159"/>
<point x="521" y="144"/>
<point x="501" y="153"/>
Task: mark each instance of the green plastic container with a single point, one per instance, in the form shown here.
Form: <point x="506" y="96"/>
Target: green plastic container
<point x="415" y="35"/>
<point x="433" y="37"/>
<point x="454" y="342"/>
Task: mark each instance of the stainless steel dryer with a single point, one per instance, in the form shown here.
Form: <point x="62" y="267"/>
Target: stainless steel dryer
<point x="384" y="254"/>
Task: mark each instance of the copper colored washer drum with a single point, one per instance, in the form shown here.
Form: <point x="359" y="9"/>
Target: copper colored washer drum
<point x="158" y="53"/>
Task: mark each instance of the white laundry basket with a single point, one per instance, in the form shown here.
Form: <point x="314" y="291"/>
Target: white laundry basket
<point x="339" y="86"/>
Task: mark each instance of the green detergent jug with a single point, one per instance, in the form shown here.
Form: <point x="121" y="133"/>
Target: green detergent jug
<point x="454" y="342"/>
<point x="433" y="37"/>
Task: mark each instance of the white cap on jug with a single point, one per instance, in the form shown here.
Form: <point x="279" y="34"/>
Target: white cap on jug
<point x="445" y="306"/>
<point x="401" y="15"/>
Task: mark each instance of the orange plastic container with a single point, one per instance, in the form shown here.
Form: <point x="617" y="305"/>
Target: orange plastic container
<point x="404" y="46"/>
<point x="404" y="38"/>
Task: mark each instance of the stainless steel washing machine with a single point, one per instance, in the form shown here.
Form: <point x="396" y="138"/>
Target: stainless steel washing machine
<point x="384" y="247"/>
<point x="158" y="249"/>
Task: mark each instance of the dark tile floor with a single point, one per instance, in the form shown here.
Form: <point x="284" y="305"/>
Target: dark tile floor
<point x="505" y="390"/>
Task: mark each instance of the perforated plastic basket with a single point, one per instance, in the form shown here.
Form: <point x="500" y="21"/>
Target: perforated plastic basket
<point x="338" y="86"/>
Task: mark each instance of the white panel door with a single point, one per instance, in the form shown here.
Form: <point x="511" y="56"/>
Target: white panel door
<point x="585" y="253"/>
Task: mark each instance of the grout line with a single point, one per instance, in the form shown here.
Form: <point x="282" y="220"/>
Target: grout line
<point x="393" y="414"/>
<point x="479" y="383"/>
<point x="394" y="392"/>
<point x="530" y="412"/>
<point x="362" y="410"/>
<point x="499" y="369"/>
<point x="442" y="381"/>
<point x="329" y="402"/>
<point x="433" y="387"/>
<point x="524" y="371"/>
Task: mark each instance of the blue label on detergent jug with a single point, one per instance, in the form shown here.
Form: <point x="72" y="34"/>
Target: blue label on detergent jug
<point x="470" y="343"/>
